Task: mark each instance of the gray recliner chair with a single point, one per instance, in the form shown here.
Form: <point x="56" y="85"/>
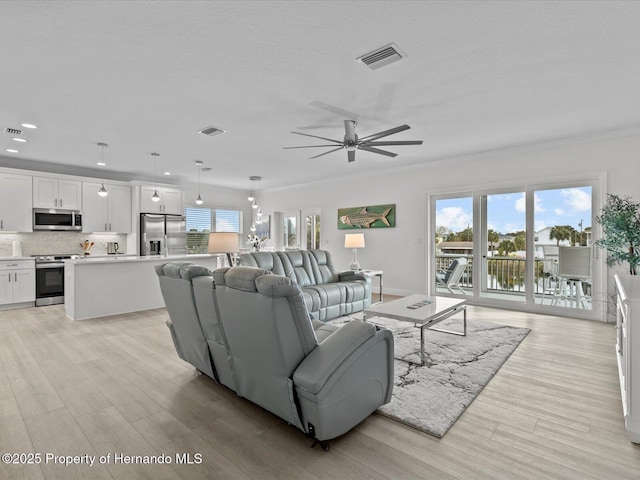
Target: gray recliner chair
<point x="187" y="290"/>
<point x="188" y="293"/>
<point x="324" y="388"/>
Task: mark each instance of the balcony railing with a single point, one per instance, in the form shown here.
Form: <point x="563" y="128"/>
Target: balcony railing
<point x="504" y="274"/>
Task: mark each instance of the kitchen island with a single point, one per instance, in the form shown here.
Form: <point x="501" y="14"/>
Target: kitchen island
<point x="102" y="286"/>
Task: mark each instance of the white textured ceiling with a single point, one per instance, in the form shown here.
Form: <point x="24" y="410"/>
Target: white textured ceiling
<point x="146" y="76"/>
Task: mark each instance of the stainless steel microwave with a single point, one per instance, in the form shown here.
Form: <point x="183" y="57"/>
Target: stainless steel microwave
<point x="56" y="219"/>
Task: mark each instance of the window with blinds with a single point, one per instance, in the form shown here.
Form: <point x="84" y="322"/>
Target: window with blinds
<point x="198" y="228"/>
<point x="200" y="222"/>
<point x="227" y="220"/>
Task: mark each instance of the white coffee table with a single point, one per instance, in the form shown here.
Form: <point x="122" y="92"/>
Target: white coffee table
<point x="423" y="311"/>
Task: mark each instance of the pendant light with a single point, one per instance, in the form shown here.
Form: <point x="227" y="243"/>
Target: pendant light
<point x="254" y="204"/>
<point x="199" y="200"/>
<point x="251" y="198"/>
<point x="155" y="197"/>
<point x="102" y="191"/>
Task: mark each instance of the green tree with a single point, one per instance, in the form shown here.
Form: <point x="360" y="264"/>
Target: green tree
<point x="559" y="233"/>
<point x="492" y="237"/>
<point x="466" y="235"/>
<point x="620" y="220"/>
<point x="506" y="247"/>
<point x="520" y="241"/>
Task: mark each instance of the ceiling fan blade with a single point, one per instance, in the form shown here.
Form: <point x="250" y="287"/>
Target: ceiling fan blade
<point x="351" y="155"/>
<point x="398" y="142"/>
<point x="349" y="130"/>
<point x="315" y="136"/>
<point x="377" y="150"/>
<point x="311" y="146"/>
<point x="385" y="133"/>
<point x="327" y="153"/>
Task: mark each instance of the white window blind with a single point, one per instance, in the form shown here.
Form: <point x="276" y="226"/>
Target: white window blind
<point x="227" y="220"/>
<point x="201" y="221"/>
<point x="198" y="228"/>
<point x="198" y="219"/>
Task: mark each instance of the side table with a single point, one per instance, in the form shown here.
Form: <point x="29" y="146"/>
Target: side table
<point x="371" y="274"/>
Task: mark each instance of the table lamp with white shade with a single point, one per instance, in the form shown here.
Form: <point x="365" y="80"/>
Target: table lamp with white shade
<point x="354" y="241"/>
<point x="224" y="242"/>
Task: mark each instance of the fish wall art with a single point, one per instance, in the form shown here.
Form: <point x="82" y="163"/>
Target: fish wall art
<point x="375" y="216"/>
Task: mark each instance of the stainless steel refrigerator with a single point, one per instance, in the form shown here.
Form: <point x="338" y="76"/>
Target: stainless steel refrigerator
<point x="163" y="234"/>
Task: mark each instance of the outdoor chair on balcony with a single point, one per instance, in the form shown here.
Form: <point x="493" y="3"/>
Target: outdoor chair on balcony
<point x="450" y="279"/>
<point x="550" y="270"/>
<point x="574" y="270"/>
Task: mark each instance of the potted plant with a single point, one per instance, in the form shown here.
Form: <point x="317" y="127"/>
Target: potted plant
<point x="620" y="221"/>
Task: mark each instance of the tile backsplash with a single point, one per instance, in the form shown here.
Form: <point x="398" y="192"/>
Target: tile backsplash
<point x="49" y="243"/>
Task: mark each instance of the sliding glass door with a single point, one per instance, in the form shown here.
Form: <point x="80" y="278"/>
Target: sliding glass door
<point x="503" y="245"/>
<point x="563" y="247"/>
<point x="527" y="247"/>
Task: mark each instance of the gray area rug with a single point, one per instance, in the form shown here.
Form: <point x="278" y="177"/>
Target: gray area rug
<point x="431" y="398"/>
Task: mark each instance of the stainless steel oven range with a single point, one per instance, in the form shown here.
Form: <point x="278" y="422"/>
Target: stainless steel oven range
<point x="50" y="279"/>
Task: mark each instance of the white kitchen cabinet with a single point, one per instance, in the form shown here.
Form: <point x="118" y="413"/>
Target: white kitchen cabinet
<point x="51" y="192"/>
<point x="170" y="200"/>
<point x="16" y="203"/>
<point x="628" y="350"/>
<point x="106" y="214"/>
<point x="17" y="282"/>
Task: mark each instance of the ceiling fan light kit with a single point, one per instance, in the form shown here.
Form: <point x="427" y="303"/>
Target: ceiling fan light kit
<point x="351" y="142"/>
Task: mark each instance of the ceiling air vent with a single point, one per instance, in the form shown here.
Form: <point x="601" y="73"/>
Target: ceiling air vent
<point x="382" y="56"/>
<point x="211" y="131"/>
<point x="13" y="131"/>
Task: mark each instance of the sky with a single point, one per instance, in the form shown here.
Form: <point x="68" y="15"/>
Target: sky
<point x="506" y="212"/>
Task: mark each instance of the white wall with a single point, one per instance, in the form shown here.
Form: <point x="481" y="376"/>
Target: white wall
<point x="401" y="251"/>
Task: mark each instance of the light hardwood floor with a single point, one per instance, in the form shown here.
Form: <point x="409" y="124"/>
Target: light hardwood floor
<point x="116" y="385"/>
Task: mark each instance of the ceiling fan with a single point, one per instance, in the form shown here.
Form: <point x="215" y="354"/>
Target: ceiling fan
<point x="352" y="143"/>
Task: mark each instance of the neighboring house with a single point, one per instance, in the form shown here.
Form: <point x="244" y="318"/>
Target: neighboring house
<point x="456" y="248"/>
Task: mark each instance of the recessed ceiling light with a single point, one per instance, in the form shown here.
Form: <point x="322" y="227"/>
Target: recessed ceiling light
<point x="102" y="164"/>
<point x="167" y="173"/>
<point x="12" y="150"/>
<point x="18" y="139"/>
<point x="29" y="125"/>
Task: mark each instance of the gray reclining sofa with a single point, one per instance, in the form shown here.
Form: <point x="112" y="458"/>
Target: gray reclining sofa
<point x="327" y="294"/>
<point x="250" y="330"/>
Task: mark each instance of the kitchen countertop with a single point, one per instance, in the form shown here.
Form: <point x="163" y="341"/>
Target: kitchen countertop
<point x="8" y="259"/>
<point x="134" y="258"/>
<point x="104" y="286"/>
